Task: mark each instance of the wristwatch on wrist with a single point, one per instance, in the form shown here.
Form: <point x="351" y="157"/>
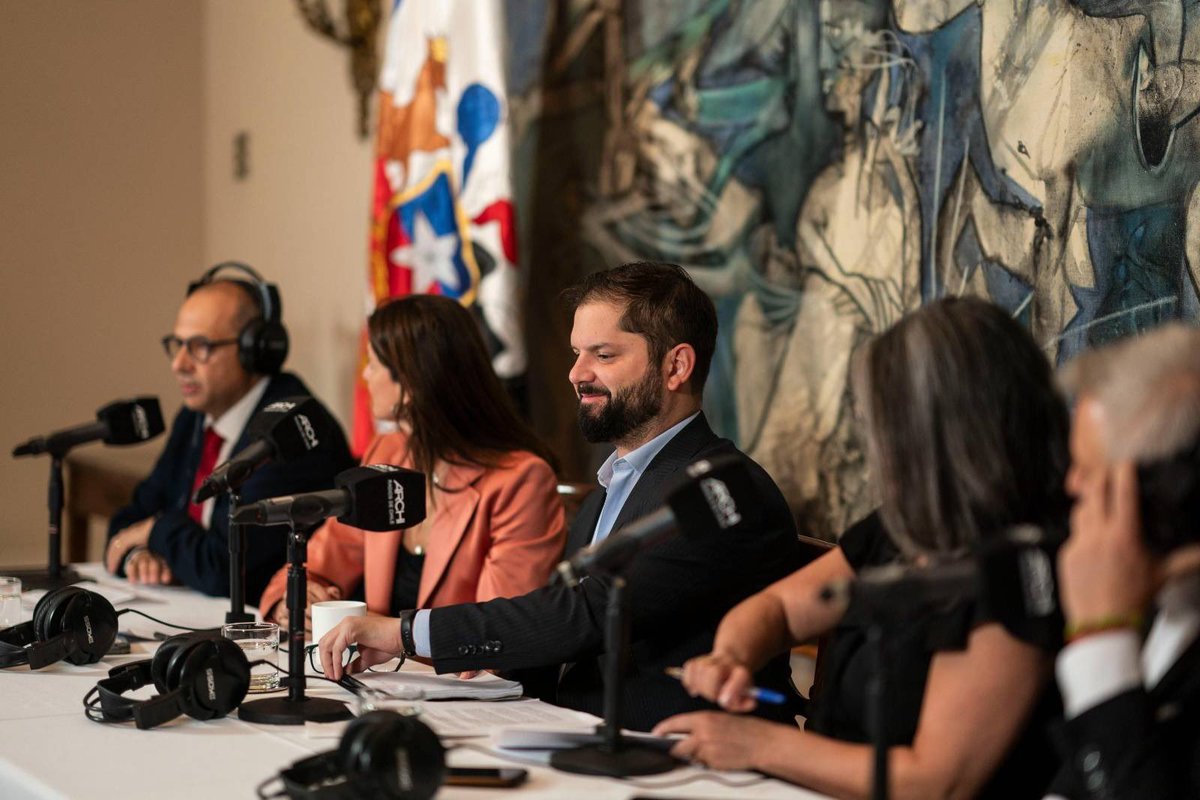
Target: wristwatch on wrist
<point x="406" y="633"/>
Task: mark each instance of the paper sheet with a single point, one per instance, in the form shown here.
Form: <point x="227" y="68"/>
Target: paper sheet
<point x="478" y="718"/>
<point x="484" y="686"/>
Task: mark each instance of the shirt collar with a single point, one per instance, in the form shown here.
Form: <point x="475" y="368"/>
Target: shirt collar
<point x="640" y="458"/>
<point x="231" y="424"/>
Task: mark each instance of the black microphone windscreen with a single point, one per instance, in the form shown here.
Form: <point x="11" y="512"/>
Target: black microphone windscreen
<point x="131" y="421"/>
<point x="293" y="426"/>
<point x="719" y="494"/>
<point x="384" y="498"/>
<point x="1020" y="584"/>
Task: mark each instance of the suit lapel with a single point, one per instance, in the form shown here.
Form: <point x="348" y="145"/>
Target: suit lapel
<point x="651" y="487"/>
<point x="456" y="507"/>
<point x="584" y="526"/>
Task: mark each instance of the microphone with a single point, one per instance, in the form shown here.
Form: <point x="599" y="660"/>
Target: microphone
<point x="1013" y="576"/>
<point x="717" y="495"/>
<point x="282" y="431"/>
<point x="377" y="497"/>
<point x="121" y="422"/>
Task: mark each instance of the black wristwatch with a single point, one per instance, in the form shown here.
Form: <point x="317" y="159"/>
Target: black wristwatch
<point x="406" y="632"/>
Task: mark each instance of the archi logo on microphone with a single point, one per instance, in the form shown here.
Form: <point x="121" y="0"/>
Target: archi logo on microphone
<point x="279" y="407"/>
<point x="141" y="423"/>
<point x="395" y="498"/>
<point x="306" y="432"/>
<point x="719" y="499"/>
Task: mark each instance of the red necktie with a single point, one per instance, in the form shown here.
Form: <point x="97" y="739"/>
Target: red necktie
<point x="208" y="460"/>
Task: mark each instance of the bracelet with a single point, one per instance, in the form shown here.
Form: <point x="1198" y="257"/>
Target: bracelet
<point x="1075" y="631"/>
<point x="406" y="633"/>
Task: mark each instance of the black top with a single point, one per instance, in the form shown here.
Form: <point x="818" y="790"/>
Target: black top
<point x="407" y="583"/>
<point x="839" y="709"/>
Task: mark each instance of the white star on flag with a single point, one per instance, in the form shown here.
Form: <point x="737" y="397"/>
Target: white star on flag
<point x="431" y="257"/>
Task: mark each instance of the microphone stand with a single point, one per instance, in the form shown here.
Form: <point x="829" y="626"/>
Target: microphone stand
<point x="295" y="709"/>
<point x="237" y="566"/>
<point x="877" y="709"/>
<point x="614" y="756"/>
<point x="55" y="574"/>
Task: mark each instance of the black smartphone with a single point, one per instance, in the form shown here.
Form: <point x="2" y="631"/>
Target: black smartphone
<point x="486" y="776"/>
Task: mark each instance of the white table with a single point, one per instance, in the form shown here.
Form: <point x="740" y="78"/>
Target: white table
<point x="49" y="749"/>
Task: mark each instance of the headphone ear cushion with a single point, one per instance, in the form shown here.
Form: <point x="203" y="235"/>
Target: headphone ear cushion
<point x="262" y="346"/>
<point x="248" y="345"/>
<point x="388" y="755"/>
<point x="161" y="660"/>
<point x="175" y="659"/>
<point x="91" y="622"/>
<point x="49" y="610"/>
<point x="214" y="678"/>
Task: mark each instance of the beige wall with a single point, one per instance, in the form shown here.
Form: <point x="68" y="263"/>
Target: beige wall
<point x="101" y="219"/>
<point x="116" y="156"/>
<point x="302" y="215"/>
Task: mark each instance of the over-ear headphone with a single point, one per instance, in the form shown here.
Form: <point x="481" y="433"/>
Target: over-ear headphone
<point x="1169" y="496"/>
<point x="201" y="675"/>
<point x="382" y="755"/>
<point x="68" y="623"/>
<point x="263" y="342"/>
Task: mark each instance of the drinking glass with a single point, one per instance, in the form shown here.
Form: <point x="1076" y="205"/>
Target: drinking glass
<point x="10" y="602"/>
<point x="260" y="642"/>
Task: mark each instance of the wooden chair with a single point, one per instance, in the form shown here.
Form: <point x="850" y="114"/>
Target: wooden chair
<point x="572" y="496"/>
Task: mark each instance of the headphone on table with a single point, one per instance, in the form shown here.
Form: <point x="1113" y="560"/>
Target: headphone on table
<point x="68" y="623"/>
<point x="201" y="675"/>
<point x="381" y="755"/>
<point x="263" y="342"/>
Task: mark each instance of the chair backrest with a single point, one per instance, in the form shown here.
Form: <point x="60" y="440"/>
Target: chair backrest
<point x="572" y="496"/>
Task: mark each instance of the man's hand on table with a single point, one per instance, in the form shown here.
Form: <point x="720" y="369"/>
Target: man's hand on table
<point x="119" y="546"/>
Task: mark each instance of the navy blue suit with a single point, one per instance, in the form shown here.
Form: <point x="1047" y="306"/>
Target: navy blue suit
<point x="200" y="557"/>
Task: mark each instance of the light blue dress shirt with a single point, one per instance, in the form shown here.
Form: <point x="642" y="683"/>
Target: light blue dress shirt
<point x="618" y="476"/>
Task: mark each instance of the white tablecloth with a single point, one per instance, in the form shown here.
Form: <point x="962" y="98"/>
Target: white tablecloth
<point x="51" y="750"/>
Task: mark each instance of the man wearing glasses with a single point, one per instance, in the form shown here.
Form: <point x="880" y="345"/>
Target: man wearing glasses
<point x="161" y="536"/>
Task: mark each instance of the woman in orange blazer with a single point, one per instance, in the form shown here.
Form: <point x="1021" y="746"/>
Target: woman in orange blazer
<point x="495" y="524"/>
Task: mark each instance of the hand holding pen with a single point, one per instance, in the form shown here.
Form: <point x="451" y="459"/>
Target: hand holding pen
<point x="726" y="683"/>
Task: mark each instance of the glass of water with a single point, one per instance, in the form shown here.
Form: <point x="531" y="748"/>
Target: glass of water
<point x="260" y="642"/>
<point x="10" y="602"/>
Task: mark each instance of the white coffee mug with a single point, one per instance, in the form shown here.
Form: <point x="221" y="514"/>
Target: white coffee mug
<point x="328" y="613"/>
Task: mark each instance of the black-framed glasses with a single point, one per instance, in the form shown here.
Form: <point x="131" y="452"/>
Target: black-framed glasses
<point x="200" y="348"/>
<point x="310" y="650"/>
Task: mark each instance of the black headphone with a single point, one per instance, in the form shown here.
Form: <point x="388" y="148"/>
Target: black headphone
<point x="263" y="342"/>
<point x="381" y="755"/>
<point x="201" y="675"/>
<point x="68" y="622"/>
<point x="1169" y="496"/>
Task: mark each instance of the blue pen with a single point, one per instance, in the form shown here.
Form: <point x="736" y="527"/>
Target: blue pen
<point x="768" y="696"/>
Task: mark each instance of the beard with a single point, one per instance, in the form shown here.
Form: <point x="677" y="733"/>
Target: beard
<point x="624" y="413"/>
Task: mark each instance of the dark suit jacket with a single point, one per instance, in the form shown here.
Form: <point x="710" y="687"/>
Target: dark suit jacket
<point x="200" y="557"/>
<point x="1139" y="745"/>
<point x="678" y="593"/>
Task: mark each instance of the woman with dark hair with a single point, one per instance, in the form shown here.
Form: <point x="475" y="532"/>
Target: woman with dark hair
<point x="495" y="524"/>
<point x="965" y="437"/>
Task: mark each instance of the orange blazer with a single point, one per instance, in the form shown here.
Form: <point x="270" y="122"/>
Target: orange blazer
<point x="495" y="532"/>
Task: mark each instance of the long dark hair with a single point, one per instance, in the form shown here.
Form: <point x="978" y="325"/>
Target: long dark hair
<point x="456" y="406"/>
<point x="966" y="434"/>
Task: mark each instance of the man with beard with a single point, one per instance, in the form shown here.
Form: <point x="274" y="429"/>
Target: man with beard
<point x="643" y="336"/>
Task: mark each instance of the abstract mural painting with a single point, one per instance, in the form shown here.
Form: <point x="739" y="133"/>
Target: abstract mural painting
<point x="823" y="166"/>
